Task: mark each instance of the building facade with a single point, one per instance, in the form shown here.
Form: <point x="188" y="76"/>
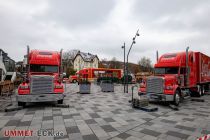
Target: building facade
<point x="85" y="60"/>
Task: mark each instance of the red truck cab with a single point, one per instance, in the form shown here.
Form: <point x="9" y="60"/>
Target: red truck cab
<point x="43" y="82"/>
<point x="178" y="75"/>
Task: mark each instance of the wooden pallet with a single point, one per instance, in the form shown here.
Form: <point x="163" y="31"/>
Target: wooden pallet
<point x="6" y="87"/>
<point x="140" y="102"/>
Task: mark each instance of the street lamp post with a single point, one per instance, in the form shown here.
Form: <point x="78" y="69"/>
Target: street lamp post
<point x="124" y="67"/>
<point x="133" y="42"/>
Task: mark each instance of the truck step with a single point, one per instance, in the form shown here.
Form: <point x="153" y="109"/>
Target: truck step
<point x="207" y="93"/>
<point x="61" y="105"/>
<point x="13" y="108"/>
<point x="148" y="108"/>
<point x="197" y="100"/>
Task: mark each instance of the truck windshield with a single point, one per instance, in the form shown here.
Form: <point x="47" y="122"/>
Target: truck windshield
<point x="43" y="68"/>
<point x="172" y="70"/>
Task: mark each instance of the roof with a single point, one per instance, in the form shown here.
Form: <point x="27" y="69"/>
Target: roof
<point x="87" y="57"/>
<point x="173" y="59"/>
<point x="5" y="56"/>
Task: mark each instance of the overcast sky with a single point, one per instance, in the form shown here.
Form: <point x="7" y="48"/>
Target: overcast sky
<point x="101" y="27"/>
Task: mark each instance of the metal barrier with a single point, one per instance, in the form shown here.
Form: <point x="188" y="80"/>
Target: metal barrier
<point x="6" y="87"/>
<point x="84" y="87"/>
<point x="107" y="86"/>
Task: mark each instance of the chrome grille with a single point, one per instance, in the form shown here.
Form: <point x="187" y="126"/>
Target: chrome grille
<point x="41" y="84"/>
<point x="154" y="85"/>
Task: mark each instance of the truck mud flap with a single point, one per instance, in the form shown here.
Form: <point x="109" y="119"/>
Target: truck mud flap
<point x="197" y="100"/>
<point x="13" y="108"/>
<point x="61" y="105"/>
<point x="148" y="108"/>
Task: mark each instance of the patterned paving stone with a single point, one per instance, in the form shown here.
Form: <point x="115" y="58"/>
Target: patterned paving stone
<point x="73" y="129"/>
<point x="108" y="128"/>
<point x="89" y="137"/>
<point x="94" y="115"/>
<point x="185" y="128"/>
<point x="168" y="121"/>
<point x="188" y="119"/>
<point x="45" y="118"/>
<point x="123" y="135"/>
<point x="148" y="123"/>
<point x="25" y="123"/>
<point x="103" y="116"/>
<point x="67" y="116"/>
<point x="177" y="134"/>
<point x="91" y="121"/>
<point x="13" y="123"/>
<point x="150" y="132"/>
<point x="109" y="120"/>
<point x="200" y="115"/>
<point x="147" y="119"/>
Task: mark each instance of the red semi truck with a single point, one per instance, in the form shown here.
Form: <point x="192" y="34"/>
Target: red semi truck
<point x="178" y="75"/>
<point x="43" y="81"/>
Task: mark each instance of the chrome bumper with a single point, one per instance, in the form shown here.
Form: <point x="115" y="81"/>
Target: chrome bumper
<point x="159" y="97"/>
<point x="50" y="97"/>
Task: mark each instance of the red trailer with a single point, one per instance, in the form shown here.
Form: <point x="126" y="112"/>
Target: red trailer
<point x="177" y="75"/>
<point x="94" y="73"/>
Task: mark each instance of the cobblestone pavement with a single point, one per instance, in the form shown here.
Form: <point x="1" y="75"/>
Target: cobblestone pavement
<point x="109" y="116"/>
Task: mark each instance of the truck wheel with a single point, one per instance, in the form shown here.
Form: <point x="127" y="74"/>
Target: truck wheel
<point x="21" y="104"/>
<point x="203" y="90"/>
<point x="177" y="98"/>
<point x="60" y="101"/>
<point x="200" y="91"/>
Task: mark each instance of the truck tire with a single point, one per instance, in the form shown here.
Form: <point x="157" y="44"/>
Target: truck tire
<point x="200" y="91"/>
<point x="22" y="104"/>
<point x="60" y="101"/>
<point x="177" y="98"/>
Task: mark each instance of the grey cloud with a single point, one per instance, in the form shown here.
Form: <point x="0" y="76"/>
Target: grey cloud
<point x="77" y="13"/>
<point x="101" y="27"/>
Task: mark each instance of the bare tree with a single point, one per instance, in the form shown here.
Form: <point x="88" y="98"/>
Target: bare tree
<point x="114" y="63"/>
<point x="67" y="58"/>
<point x="70" y="54"/>
<point x="145" y="64"/>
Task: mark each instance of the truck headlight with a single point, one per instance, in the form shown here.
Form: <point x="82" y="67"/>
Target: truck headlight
<point x="169" y="87"/>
